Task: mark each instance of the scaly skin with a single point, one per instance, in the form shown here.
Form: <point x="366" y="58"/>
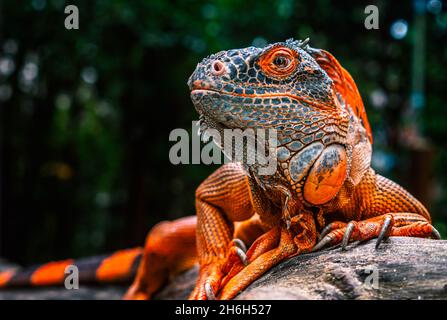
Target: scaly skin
<point x="323" y="193"/>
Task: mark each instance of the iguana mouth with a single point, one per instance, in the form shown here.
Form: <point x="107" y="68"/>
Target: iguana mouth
<point x="201" y="90"/>
<point x="203" y="87"/>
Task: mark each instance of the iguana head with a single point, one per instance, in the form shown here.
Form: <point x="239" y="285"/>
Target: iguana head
<point x="302" y="92"/>
<point x="263" y="87"/>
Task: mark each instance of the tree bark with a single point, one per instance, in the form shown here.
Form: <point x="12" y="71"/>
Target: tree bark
<point x="405" y="268"/>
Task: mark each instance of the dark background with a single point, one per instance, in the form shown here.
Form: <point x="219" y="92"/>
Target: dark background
<point x="85" y="114"/>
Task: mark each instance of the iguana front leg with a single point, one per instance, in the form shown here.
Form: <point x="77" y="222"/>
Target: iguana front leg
<point x="262" y="263"/>
<point x="221" y="199"/>
<point x="386" y="210"/>
<point x="224" y="198"/>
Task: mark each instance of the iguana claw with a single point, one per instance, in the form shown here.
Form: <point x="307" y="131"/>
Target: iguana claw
<point x="347" y="236"/>
<point x="435" y="234"/>
<point x="239" y="243"/>
<point x="324" y="232"/>
<point x="209" y="292"/>
<point x="241" y="254"/>
<point x="385" y="231"/>
<point x="322" y="243"/>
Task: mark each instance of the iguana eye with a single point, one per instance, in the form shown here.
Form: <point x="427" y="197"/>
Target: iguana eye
<point x="279" y="62"/>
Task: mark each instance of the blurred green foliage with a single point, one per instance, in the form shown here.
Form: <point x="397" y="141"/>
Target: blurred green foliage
<point x="86" y="114"/>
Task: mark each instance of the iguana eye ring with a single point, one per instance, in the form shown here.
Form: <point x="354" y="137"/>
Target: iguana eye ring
<point x="279" y="62"/>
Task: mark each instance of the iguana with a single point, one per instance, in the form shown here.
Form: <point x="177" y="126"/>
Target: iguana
<point x="323" y="192"/>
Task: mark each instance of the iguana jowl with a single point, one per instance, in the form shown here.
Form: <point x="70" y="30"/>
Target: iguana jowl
<point x="323" y="193"/>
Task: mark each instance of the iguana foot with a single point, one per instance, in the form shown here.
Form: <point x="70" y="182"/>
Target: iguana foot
<point x="209" y="281"/>
<point x="211" y="275"/>
<point x="381" y="227"/>
<point x="214" y="279"/>
<point x="267" y="251"/>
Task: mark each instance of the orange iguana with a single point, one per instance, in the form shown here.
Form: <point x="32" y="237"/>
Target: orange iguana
<point x="324" y="191"/>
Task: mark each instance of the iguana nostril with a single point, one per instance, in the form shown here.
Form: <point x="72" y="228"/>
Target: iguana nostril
<point x="217" y="68"/>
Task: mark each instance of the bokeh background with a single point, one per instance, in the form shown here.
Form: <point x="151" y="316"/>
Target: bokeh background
<point x="85" y="114"/>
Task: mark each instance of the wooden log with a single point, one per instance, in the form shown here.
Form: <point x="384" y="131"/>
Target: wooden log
<point x="405" y="268"/>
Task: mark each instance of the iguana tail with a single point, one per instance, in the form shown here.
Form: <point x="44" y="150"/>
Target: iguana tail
<point x="119" y="266"/>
